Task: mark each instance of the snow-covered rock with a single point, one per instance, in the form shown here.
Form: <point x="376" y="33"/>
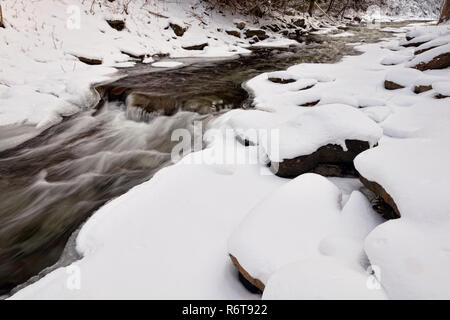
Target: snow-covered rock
<point x="303" y="220"/>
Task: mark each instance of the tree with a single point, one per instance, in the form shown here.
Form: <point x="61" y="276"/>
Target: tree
<point x="445" y="15"/>
<point x="312" y="4"/>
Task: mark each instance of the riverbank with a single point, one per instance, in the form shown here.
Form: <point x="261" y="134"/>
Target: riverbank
<point x="170" y="237"/>
<point x="53" y="57"/>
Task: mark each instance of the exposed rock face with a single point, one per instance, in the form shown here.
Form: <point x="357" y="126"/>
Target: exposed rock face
<point x="252" y="284"/>
<point x="261" y="34"/>
<point x="234" y="33"/>
<point x="90" y="61"/>
<point x="240" y="25"/>
<point x="329" y="160"/>
<point x="413" y="44"/>
<point x="119" y="25"/>
<point x="386" y="204"/>
<point x="440" y="62"/>
<point x="310" y="104"/>
<point x="196" y="47"/>
<point x="389" y="85"/>
<point x="422" y="89"/>
<point x="178" y="30"/>
<point x="281" y="81"/>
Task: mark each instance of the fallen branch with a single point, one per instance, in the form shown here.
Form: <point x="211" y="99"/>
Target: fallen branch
<point x="326" y="15"/>
<point x="157" y="14"/>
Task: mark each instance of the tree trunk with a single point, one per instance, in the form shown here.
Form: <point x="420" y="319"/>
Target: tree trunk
<point x="445" y="15"/>
<point x="1" y="18"/>
<point x="311" y="7"/>
<point x="330" y="6"/>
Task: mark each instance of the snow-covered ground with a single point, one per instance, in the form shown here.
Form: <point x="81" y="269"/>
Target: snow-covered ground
<point x="310" y="237"/>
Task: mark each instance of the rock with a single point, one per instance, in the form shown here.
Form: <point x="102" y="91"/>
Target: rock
<point x="386" y="204"/>
<point x="133" y="55"/>
<point x="301" y="23"/>
<point x="422" y="89"/>
<point x="119" y="25"/>
<point x="261" y="34"/>
<point x="281" y="81"/>
<point x="252" y="284"/>
<point x="90" y="61"/>
<point x="240" y="25"/>
<point x="234" y="33"/>
<point x="272" y="27"/>
<point x="196" y="47"/>
<point x="441" y="61"/>
<point x="417" y="52"/>
<point x="329" y="160"/>
<point x="310" y="104"/>
<point x="178" y="30"/>
<point x="413" y="44"/>
<point x="389" y="85"/>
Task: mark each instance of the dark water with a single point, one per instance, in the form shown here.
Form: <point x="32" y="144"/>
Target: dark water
<point x="51" y="184"/>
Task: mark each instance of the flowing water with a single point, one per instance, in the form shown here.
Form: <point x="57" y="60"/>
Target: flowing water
<point x="52" y="183"/>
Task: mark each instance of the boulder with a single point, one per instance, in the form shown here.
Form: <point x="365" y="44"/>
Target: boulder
<point x="441" y="61"/>
<point x="252" y="284"/>
<point x="281" y="81"/>
<point x="177" y="29"/>
<point x="422" y="89"/>
<point x="384" y="204"/>
<point x="234" y="33"/>
<point x="390" y="85"/>
<point x="261" y="34"/>
<point x="90" y="61"/>
<point x="328" y="160"/>
<point x="119" y="25"/>
<point x="196" y="47"/>
<point x="301" y="23"/>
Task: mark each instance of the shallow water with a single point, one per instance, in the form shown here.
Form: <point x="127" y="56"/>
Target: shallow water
<point x="51" y="184"/>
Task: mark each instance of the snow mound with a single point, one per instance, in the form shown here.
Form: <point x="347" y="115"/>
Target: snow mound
<point x="442" y="87"/>
<point x="404" y="77"/>
<point x="414" y="167"/>
<point x="305" y="131"/>
<point x="321" y="278"/>
<point x="296" y="223"/>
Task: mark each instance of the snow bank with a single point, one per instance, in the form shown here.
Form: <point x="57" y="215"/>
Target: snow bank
<point x="302" y="221"/>
<point x="152" y="244"/>
<point x="321" y="279"/>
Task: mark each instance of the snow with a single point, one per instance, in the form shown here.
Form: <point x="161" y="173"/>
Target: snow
<point x="167" y="64"/>
<point x="394" y="59"/>
<point x="275" y="234"/>
<point x="405" y="78"/>
<point x="321" y="279"/>
<point x="429" y="55"/>
<point x="166" y="249"/>
<point x="442" y="87"/>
